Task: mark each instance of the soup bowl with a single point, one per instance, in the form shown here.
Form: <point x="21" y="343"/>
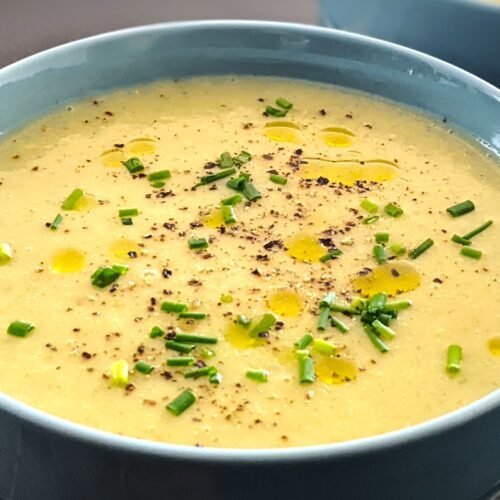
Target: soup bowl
<point x="463" y="32"/>
<point x="454" y="456"/>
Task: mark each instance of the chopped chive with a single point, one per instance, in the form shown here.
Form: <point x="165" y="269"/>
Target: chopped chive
<point x="370" y="220"/>
<point x="424" y="246"/>
<point x="396" y="306"/>
<point x="179" y="346"/>
<point x="192" y="315"/>
<point x="471" y="252"/>
<point x="324" y="347"/>
<point x="197" y="243"/>
<point x="120" y="268"/>
<point x="384" y="318"/>
<point x="250" y="191"/>
<point x="478" y="230"/>
<point x="341" y="308"/>
<point x="143" y="367"/>
<point x="133" y="165"/>
<point x="181" y="361"/>
<point x="324" y="317"/>
<point x="334" y="254"/>
<point x="460" y="239"/>
<point x="173" y="307"/>
<point x="70" y="202"/>
<point x="228" y="214"/>
<point x="357" y="305"/>
<point x="376" y="340"/>
<point x="376" y="303"/>
<point x="398" y="249"/>
<point x="195" y="339"/>
<point x="393" y="210"/>
<point x="380" y="254"/>
<point x="279" y="113"/>
<point x="156" y="332"/>
<point x="327" y="300"/>
<point x="207" y="353"/>
<point x="304" y="341"/>
<point x="232" y="200"/>
<point x="128" y="212"/>
<point x="381" y="237"/>
<point x="201" y="372"/>
<point x="5" y="253"/>
<point x="181" y="403"/>
<point x="119" y="373"/>
<point x="369" y="206"/>
<point x="20" y="328"/>
<point x="226" y="160"/>
<point x="226" y="298"/>
<point x="127" y="221"/>
<point x="207" y="179"/>
<point x="159" y="175"/>
<point x="339" y="325"/>
<point x="243" y="321"/>
<point x="257" y="375"/>
<point x="104" y="276"/>
<point x="461" y="209"/>
<point x="215" y="378"/>
<point x="283" y="103"/>
<point x="262" y="324"/>
<point x="243" y="157"/>
<point x="157" y="184"/>
<point x="56" y="222"/>
<point x="306" y="369"/>
<point x="278" y="179"/>
<point x="238" y="182"/>
<point x="454" y="359"/>
<point x="383" y="330"/>
<point x="300" y="353"/>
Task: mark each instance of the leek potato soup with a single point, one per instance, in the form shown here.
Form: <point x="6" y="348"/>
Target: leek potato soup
<point x="247" y="262"/>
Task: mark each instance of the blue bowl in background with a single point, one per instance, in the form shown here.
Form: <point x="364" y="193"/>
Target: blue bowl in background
<point x="462" y="32"/>
<point x="45" y="457"/>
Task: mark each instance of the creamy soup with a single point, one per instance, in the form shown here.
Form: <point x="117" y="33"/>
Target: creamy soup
<point x="247" y="262"/>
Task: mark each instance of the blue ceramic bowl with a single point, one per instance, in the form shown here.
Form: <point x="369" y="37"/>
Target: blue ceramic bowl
<point x="44" y="457"/>
<point x="463" y="32"/>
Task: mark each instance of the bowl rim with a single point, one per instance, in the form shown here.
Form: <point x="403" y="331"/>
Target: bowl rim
<point x="337" y="450"/>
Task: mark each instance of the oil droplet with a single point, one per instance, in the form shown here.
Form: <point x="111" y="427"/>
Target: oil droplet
<point x="348" y="171"/>
<point x="338" y="137"/>
<point x="214" y="218"/>
<point x="494" y="346"/>
<point x="239" y="337"/>
<point x="141" y="146"/>
<point x="283" y="132"/>
<point x="68" y="260"/>
<point x="113" y="158"/>
<point x="391" y="278"/>
<point x="335" y="370"/>
<point x="285" y="303"/>
<point x="305" y="248"/>
<point x="86" y="202"/>
<point x="120" y="248"/>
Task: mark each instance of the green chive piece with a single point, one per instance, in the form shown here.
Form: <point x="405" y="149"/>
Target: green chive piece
<point x="304" y="341"/>
<point x="243" y="321"/>
<point x="207" y="353"/>
<point x="471" y="252"/>
<point x="461" y="209"/>
<point x="119" y="373"/>
<point x="70" y="202"/>
<point x="283" y="103"/>
<point x="104" y="276"/>
<point x="324" y="318"/>
<point x="232" y="200"/>
<point x="127" y="221"/>
<point x="243" y="157"/>
<point x="120" y="268"/>
<point x="226" y="160"/>
<point x="133" y="165"/>
<point x="156" y="332"/>
<point x="306" y="369"/>
<point x="381" y="237"/>
<point x="369" y="206"/>
<point x="198" y="243"/>
<point x="5" y="253"/>
<point x="376" y="303"/>
<point x="340" y="308"/>
<point x="143" y="367"/>
<point x="207" y="179"/>
<point x="157" y="184"/>
<point x="259" y="376"/>
<point x="179" y="346"/>
<point x="181" y="403"/>
<point x="371" y="220"/>
<point x="20" y="328"/>
<point x="279" y="113"/>
<point x="215" y="378"/>
<point x="461" y="240"/>
<point x="128" y="212"/>
<point x="393" y="210"/>
<point x="334" y="254"/>
<point x="398" y="249"/>
<point x="278" y="179"/>
<point x="201" y="372"/>
<point x="323" y="347"/>
<point x="226" y="298"/>
<point x="454" y="359"/>
<point x="376" y="340"/>
<point x="192" y="315"/>
<point x="383" y="330"/>
<point x="339" y="325"/>
<point x="238" y="182"/>
<point x="396" y="306"/>
<point x="262" y="324"/>
<point x="384" y="318"/>
<point x="173" y="307"/>
<point x="478" y="230"/>
<point x="195" y="339"/>
<point x="357" y="305"/>
<point x="159" y="175"/>
<point x="380" y="254"/>
<point x="327" y="300"/>
<point x="56" y="222"/>
<point x="424" y="246"/>
<point x="250" y="191"/>
<point x="181" y="361"/>
<point x="228" y="214"/>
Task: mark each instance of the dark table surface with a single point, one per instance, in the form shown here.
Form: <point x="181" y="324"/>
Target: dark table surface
<point x="29" y="26"/>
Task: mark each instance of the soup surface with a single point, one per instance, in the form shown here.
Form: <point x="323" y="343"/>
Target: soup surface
<point x="331" y="196"/>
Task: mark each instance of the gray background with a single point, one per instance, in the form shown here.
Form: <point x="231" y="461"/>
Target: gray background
<point x="28" y="26"/>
